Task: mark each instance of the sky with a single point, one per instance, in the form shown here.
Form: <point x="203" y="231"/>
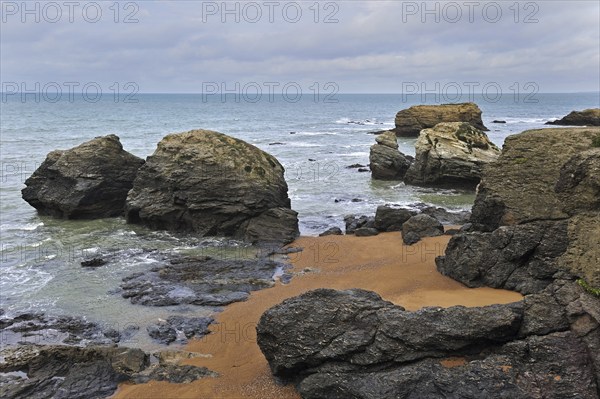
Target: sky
<point x="343" y="46"/>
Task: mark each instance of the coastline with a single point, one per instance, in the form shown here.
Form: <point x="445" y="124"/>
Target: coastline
<point x="404" y="275"/>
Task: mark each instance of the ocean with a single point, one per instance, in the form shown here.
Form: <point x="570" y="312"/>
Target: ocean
<point x="314" y="139"/>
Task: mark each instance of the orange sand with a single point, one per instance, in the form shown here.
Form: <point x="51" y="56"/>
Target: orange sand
<point x="403" y="275"/>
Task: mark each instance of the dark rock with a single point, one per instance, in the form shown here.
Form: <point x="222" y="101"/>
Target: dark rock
<point x="94" y="262"/>
<point x="312" y="160"/>
<point x="362" y="170"/>
<point x="44" y="329"/>
<point x="497" y="121"/>
<point x="86" y="182"/>
<point x="359" y="329"/>
<point x="588" y="117"/>
<point x="386" y="162"/>
<point x="388" y="218"/>
<point x="422" y="225"/>
<point x="352" y="222"/>
<point x="277" y="143"/>
<point x="553" y="366"/>
<point x="69" y="372"/>
<point x="449" y="155"/>
<point x="335" y="231"/>
<point x="410" y="122"/>
<point x="451" y="232"/>
<point x="520" y="258"/>
<point x="213" y="185"/>
<point x="354" y="166"/>
<point x="411" y="238"/>
<point x="447" y="217"/>
<point x="199" y="281"/>
<point x="360" y="346"/>
<point x="175" y="374"/>
<point x="366" y="232"/>
<point x="165" y="331"/>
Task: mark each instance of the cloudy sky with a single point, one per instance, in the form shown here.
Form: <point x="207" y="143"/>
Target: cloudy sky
<point x="361" y="46"/>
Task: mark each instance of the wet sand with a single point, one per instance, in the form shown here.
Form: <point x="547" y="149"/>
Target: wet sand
<point x="403" y="275"/>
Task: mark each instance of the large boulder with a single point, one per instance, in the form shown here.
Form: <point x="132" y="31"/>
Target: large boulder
<point x="409" y="122"/>
<point x="86" y="182"/>
<point x="360" y="346"/>
<point x="536" y="215"/>
<point x="588" y="117"/>
<point x="387" y="163"/>
<point x="214" y="185"/>
<point x="451" y="154"/>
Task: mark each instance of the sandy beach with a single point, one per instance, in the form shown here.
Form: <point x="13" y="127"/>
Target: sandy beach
<point x="403" y="275"/>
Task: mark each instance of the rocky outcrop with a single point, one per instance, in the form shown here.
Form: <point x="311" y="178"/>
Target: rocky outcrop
<point x="535" y="215"/>
<point x="387" y="163"/>
<point x="451" y="154"/>
<point x="86" y="182"/>
<point x="199" y="281"/>
<point x="360" y="346"/>
<point x="420" y="226"/>
<point x="67" y="372"/>
<point x="213" y="185"/>
<point x="588" y="117"/>
<point x="410" y="122"/>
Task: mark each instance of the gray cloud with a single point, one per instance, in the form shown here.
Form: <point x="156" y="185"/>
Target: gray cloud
<point x="375" y="46"/>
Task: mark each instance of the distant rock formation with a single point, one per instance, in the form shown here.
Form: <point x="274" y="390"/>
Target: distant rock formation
<point x="588" y="117"/>
<point x="409" y="122"/>
<point x="387" y="163"/>
<point x="85" y="182"/>
<point x="215" y="185"/>
<point x="451" y="154"/>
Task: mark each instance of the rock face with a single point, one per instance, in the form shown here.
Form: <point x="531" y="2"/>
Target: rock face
<point x="536" y="215"/>
<point x="387" y="163"/>
<point x="588" y="117"/>
<point x="213" y="184"/>
<point x="360" y="346"/>
<point x="86" y="182"/>
<point x="451" y="154"/>
<point x="410" y="122"/>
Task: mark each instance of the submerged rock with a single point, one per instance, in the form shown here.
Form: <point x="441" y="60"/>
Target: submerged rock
<point x="451" y="154"/>
<point x="588" y="117"/>
<point x="410" y="122"/>
<point x="199" y="281"/>
<point x="85" y="182"/>
<point x="386" y="162"/>
<point x="213" y="185"/>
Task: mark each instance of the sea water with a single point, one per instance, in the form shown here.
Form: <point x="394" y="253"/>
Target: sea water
<point x="315" y="140"/>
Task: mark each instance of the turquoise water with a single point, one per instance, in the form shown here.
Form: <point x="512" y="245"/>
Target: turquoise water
<point x="40" y="256"/>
